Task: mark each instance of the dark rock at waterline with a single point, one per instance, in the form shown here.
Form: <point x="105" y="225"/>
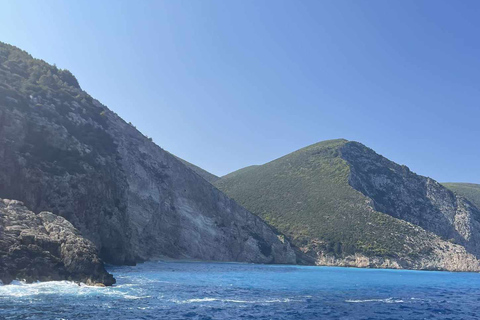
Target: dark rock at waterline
<point x="45" y="247"/>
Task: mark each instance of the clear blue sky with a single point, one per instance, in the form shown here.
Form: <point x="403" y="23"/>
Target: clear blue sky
<point x="226" y="84"/>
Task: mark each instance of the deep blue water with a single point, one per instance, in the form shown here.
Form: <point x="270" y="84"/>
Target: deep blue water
<point x="183" y="290"/>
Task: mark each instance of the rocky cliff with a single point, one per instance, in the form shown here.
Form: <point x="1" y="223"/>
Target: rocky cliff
<point x="422" y="201"/>
<point x="45" y="247"/>
<point x="63" y="151"/>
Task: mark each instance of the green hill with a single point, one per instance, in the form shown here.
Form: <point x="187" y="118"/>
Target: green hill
<point x="308" y="195"/>
<point x="470" y="191"/>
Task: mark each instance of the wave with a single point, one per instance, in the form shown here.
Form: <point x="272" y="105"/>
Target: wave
<point x="21" y="289"/>
<point x="127" y="296"/>
<point x="199" y="300"/>
<point x="388" y="300"/>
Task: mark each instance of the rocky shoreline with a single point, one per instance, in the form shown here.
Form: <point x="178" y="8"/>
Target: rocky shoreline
<point x="45" y="247"/>
<point x="458" y="261"/>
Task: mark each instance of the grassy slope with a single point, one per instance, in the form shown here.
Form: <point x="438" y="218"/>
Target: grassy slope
<point x="306" y="195"/>
<point x="470" y="191"/>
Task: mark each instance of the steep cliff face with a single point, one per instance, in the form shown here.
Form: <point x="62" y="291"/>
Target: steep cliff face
<point x="343" y="204"/>
<point x="62" y="151"/>
<point x="45" y="247"/>
<point x="397" y="191"/>
<point x="201" y="172"/>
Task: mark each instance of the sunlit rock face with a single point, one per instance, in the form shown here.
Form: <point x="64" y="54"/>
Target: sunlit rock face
<point x="64" y="152"/>
<point x="45" y="247"/>
<point x="422" y="201"/>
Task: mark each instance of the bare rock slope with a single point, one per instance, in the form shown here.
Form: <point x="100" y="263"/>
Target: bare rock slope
<point x="45" y="247"/>
<point x="420" y="200"/>
<point x="63" y="151"/>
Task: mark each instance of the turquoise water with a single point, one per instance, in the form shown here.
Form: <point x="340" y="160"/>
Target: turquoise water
<point x="182" y="290"/>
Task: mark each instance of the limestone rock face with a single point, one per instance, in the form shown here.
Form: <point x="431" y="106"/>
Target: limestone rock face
<point x="64" y="152"/>
<point x="45" y="247"/>
<point x="395" y="190"/>
<point x="444" y="257"/>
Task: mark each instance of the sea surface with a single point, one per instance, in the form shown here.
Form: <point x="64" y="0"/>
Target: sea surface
<point x="192" y="290"/>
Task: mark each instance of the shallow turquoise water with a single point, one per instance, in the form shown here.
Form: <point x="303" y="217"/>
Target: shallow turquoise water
<point x="182" y="290"/>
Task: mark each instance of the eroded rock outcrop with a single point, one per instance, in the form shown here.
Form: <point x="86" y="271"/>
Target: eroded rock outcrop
<point x="45" y="247"/>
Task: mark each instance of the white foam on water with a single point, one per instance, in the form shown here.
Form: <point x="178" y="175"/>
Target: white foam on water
<point x="21" y="289"/>
<point x="388" y="300"/>
<point x="200" y="300"/>
<point x="126" y="296"/>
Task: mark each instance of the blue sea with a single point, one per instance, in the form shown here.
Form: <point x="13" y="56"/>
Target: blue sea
<point x="193" y="290"/>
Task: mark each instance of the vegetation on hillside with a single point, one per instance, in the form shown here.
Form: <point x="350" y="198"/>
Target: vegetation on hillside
<point x="306" y="195"/>
<point x="20" y="72"/>
<point x="38" y="88"/>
